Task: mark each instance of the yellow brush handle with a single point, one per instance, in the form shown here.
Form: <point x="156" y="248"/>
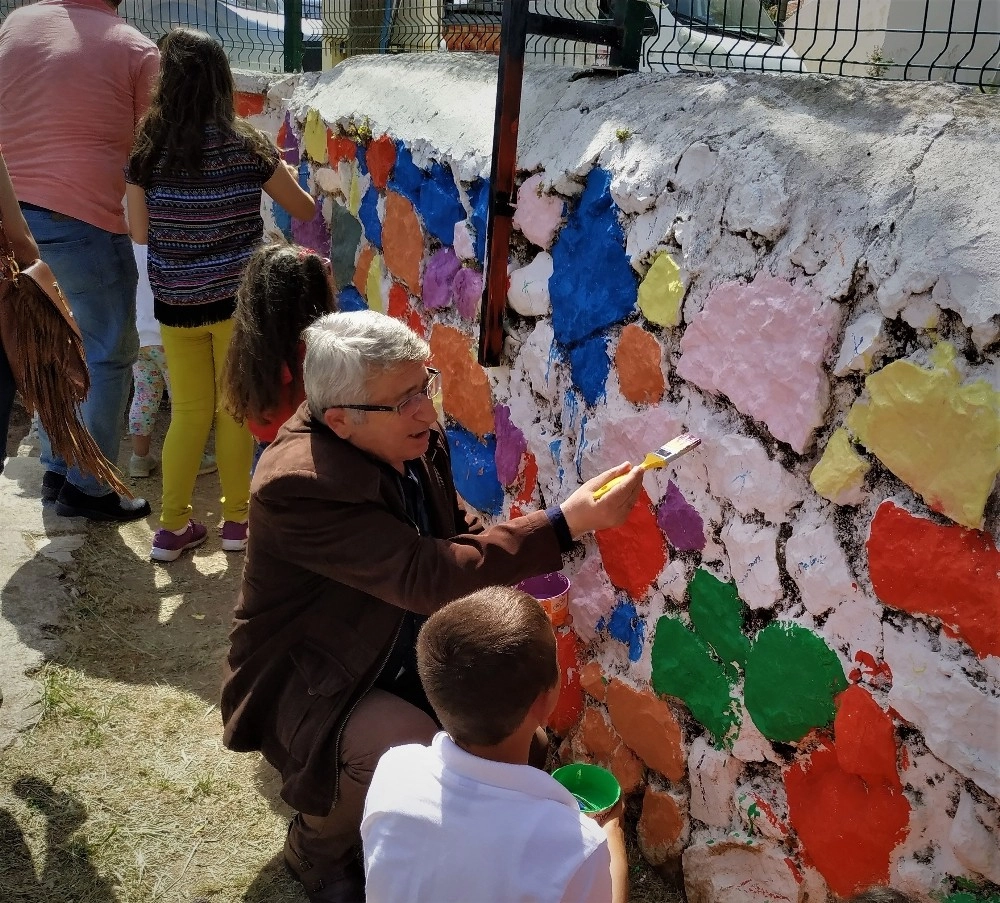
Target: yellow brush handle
<point x="607" y="487"/>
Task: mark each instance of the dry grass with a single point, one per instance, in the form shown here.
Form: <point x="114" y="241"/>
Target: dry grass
<point x="124" y="793"/>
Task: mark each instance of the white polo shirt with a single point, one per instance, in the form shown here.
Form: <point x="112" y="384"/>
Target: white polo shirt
<point x="444" y="826"/>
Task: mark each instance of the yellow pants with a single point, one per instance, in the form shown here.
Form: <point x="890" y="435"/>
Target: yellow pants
<point x="195" y="358"/>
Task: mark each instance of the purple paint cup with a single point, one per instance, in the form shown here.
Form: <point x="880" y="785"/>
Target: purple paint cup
<point x="552" y="592"/>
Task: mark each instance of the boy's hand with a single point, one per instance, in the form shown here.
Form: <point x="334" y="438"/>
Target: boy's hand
<point x="614" y="814"/>
<point x="584" y="515"/>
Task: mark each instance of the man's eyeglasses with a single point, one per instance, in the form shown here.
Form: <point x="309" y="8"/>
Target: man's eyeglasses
<point x="431" y="390"/>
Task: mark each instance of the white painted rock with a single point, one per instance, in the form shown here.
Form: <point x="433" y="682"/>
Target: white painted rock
<point x="647" y="232"/>
<point x="958" y="720"/>
<point x="816" y="562"/>
<point x="741" y="472"/>
<point x="752" y="559"/>
<point x="713" y="775"/>
<point x="529" y="287"/>
<point x="463" y="243"/>
<point x="975" y="837"/>
<point x="735" y="871"/>
<point x="862" y="340"/>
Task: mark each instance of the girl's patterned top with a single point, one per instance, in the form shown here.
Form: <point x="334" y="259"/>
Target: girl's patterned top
<point x="203" y="229"/>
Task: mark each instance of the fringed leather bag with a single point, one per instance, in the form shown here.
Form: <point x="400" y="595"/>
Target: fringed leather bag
<point x="45" y="350"/>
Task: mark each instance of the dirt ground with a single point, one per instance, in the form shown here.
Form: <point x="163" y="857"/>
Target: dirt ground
<point x="124" y="793"/>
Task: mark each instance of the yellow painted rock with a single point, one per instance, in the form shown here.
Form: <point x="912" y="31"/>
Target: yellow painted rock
<point x="661" y="292"/>
<point x="841" y="471"/>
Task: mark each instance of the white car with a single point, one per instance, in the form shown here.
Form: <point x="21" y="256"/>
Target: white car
<point x="252" y="31"/>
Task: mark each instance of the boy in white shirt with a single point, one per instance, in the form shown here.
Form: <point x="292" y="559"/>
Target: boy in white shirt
<point x="467" y="819"/>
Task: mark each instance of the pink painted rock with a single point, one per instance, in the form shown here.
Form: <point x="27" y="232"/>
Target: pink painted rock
<point x="591" y="597"/>
<point x="649" y="728"/>
<point x="637" y="360"/>
<point x="380" y="157"/>
<point x="662" y="828"/>
<point x="467" y="395"/>
<point x="630" y="438"/>
<point x="634" y="553"/>
<point x="538" y="215"/>
<point x="763" y="346"/>
<point x="438" y="278"/>
<point x="467" y="290"/>
<point x="511" y="446"/>
<point x="402" y="241"/>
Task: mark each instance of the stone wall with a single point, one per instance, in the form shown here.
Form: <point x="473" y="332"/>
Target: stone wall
<point x="790" y="653"/>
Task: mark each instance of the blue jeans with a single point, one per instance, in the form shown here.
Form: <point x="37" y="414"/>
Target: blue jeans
<point x="97" y="273"/>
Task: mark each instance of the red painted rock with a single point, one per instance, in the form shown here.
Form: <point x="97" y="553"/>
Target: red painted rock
<point x="398" y="305"/>
<point x="637" y="360"/>
<point x="364" y="264"/>
<point x="949" y="572"/>
<point x="634" y="553"/>
<point x="866" y="739"/>
<point x="248" y="104"/>
<point x="648" y="727"/>
<point x="662" y="827"/>
<point x="570" y="702"/>
<point x="529" y="479"/>
<point x="593" y="682"/>
<point x="339" y="148"/>
<point x="847" y="825"/>
<point x="402" y="241"/>
<point x="600" y="741"/>
<point x="381" y="157"/>
<point x="467" y="394"/>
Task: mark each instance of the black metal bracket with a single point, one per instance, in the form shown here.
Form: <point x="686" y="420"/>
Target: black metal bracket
<point x="624" y="38"/>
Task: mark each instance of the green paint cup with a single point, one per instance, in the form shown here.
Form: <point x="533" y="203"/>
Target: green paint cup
<point x="596" y="789"/>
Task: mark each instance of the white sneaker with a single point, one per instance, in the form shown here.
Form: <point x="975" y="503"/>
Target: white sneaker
<point x="141" y="465"/>
<point x="208" y="465"/>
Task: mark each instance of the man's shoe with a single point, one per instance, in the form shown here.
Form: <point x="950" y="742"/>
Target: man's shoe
<point x="52" y="483"/>
<point x="168" y="546"/>
<point x="208" y="465"/>
<point x="234" y="536"/>
<point x="345" y="884"/>
<point x="110" y="507"/>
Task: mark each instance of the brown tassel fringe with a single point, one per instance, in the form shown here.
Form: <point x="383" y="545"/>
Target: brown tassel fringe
<point x="43" y="347"/>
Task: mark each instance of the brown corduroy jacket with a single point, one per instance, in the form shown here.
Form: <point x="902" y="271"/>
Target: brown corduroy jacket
<point x="332" y="563"/>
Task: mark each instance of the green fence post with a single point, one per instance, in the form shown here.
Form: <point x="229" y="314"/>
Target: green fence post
<point x="628" y="16"/>
<point x="293" y="36"/>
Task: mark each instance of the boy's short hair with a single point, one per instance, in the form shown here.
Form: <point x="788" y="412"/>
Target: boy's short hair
<point x="483" y="660"/>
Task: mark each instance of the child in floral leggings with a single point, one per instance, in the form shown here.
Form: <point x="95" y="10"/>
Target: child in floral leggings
<point x="149" y="378"/>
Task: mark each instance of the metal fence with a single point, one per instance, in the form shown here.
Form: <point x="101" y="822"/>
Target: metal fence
<point x="947" y="40"/>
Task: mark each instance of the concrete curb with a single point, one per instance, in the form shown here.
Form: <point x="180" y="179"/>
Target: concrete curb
<point x="36" y="571"/>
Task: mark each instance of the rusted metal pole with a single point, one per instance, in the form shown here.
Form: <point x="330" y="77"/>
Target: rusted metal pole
<point x="513" y="34"/>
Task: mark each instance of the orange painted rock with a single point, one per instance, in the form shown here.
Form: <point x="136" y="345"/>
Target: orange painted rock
<point x="600" y="740"/>
<point x="648" y="726"/>
<point x="248" y="104"/>
<point x="662" y="827"/>
<point x="363" y="267"/>
<point x="402" y="241"/>
<point x="339" y="148"/>
<point x="637" y="360"/>
<point x="593" y="682"/>
<point x="467" y="394"/>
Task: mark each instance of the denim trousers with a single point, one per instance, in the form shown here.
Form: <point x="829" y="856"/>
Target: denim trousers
<point x="98" y="276"/>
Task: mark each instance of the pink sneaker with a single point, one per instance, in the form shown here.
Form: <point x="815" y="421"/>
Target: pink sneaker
<point x="168" y="546"/>
<point x="234" y="536"/>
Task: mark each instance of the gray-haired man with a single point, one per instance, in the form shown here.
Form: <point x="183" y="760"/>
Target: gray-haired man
<point x="356" y="535"/>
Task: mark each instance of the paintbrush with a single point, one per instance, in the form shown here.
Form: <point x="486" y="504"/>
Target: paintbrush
<point x="664" y="455"/>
